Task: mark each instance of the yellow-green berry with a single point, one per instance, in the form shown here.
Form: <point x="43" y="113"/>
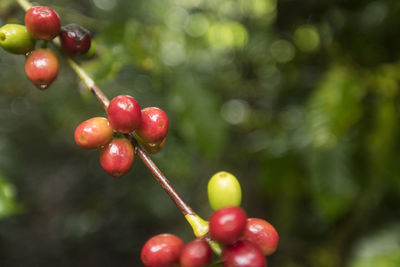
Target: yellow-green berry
<point x="224" y="190"/>
<point x="15" y="38"/>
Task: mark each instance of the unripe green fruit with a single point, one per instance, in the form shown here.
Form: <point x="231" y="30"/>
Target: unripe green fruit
<point x="15" y="38"/>
<point x="224" y="190"/>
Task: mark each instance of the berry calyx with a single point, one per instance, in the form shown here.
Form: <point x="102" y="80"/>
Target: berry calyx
<point x="224" y="190"/>
<point x="196" y="253"/>
<point x="154" y="127"/>
<point x="15" y="38"/>
<point x="42" y="22"/>
<point x="93" y="133"/>
<point x="243" y="254"/>
<point x="124" y="114"/>
<point x="228" y="224"/>
<point x="75" y="40"/>
<point x="116" y="158"/>
<point x="41" y="68"/>
<point x="162" y="250"/>
<point x="263" y="234"/>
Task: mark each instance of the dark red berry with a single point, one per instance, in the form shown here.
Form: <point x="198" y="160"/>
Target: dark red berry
<point x="228" y="224"/>
<point x="196" y="254"/>
<point x="41" y="68"/>
<point x="42" y="22"/>
<point x="117" y="157"/>
<point x="124" y="114"/>
<point x="154" y="127"/>
<point x="162" y="251"/>
<point x="243" y="254"/>
<point x="75" y="40"/>
<point x="263" y="234"/>
<point x="93" y="133"/>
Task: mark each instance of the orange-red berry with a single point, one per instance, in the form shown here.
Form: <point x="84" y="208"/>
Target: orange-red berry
<point x="263" y="234"/>
<point x="41" y="67"/>
<point x="93" y="133"/>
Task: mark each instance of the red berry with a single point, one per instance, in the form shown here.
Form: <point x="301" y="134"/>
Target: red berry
<point x="75" y="39"/>
<point x="93" y="133"/>
<point x="124" y="114"/>
<point x="162" y="251"/>
<point x="263" y="234"/>
<point x="243" y="254"/>
<point x="41" y="68"/>
<point x="42" y="22"/>
<point x="154" y="127"/>
<point x="196" y="254"/>
<point x="228" y="224"/>
<point x="117" y="157"/>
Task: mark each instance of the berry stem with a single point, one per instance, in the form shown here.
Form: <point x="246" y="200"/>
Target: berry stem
<point x="199" y="226"/>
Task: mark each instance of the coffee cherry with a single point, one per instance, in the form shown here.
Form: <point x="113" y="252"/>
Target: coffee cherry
<point x="196" y="254"/>
<point x="154" y="127"/>
<point x="117" y="157"/>
<point x="15" y="39"/>
<point x="162" y="251"/>
<point x="93" y="133"/>
<point x="263" y="234"/>
<point x="243" y="254"/>
<point x="75" y="40"/>
<point x="42" y="22"/>
<point x="228" y="224"/>
<point x="124" y="114"/>
<point x="224" y="190"/>
<point x="41" y="68"/>
<point x="151" y="148"/>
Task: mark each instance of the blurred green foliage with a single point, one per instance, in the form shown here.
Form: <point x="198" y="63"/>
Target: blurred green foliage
<point x="299" y="99"/>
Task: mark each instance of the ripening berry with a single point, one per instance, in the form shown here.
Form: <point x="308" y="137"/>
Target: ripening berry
<point x="124" y="114"/>
<point x="93" y="133"/>
<point x="162" y="251"/>
<point x="15" y="39"/>
<point x="227" y="225"/>
<point x="263" y="234"/>
<point x="196" y="253"/>
<point x="224" y="190"/>
<point x="154" y="127"/>
<point x="75" y="40"/>
<point x="41" y="68"/>
<point x="243" y="254"/>
<point x="42" y="22"/>
<point x="117" y="157"/>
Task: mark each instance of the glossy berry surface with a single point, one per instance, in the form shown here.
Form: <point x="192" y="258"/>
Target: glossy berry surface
<point x="243" y="254"/>
<point x="41" y="68"/>
<point x="93" y="133"/>
<point x="117" y="157"/>
<point x="154" y="127"/>
<point x="15" y="39"/>
<point x="263" y="234"/>
<point x="196" y="253"/>
<point x="124" y="114"/>
<point x="223" y="190"/>
<point x="75" y="40"/>
<point x="162" y="251"/>
<point x="228" y="224"/>
<point x="42" y="22"/>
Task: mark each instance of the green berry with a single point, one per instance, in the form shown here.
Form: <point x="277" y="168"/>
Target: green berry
<point x="224" y="190"/>
<point x="15" y="38"/>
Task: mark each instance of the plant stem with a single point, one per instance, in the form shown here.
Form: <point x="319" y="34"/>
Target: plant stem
<point x="199" y="226"/>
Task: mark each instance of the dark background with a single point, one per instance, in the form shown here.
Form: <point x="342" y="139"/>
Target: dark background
<point x="299" y="99"/>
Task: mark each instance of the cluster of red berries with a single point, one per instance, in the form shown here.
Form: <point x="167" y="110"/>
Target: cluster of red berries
<point x="43" y="23"/>
<point x="150" y="126"/>
<point x="246" y="242"/>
